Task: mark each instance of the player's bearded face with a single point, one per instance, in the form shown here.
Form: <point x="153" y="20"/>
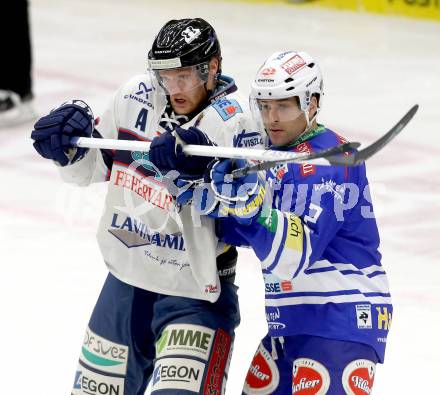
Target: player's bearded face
<point x="185" y="87"/>
<point x="283" y="120"/>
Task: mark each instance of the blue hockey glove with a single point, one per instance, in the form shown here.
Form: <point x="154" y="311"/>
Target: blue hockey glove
<point x="166" y="152"/>
<point x="222" y="196"/>
<point x="53" y="132"/>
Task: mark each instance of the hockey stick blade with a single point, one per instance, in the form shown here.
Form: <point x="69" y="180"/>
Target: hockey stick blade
<point x="361" y="156"/>
<point x="346" y="147"/>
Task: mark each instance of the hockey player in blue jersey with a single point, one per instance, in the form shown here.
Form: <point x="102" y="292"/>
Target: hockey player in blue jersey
<point x="328" y="306"/>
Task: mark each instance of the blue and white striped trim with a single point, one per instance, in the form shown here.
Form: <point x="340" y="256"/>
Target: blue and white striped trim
<point x="348" y="296"/>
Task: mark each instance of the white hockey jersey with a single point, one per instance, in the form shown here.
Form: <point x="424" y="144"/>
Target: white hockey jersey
<point x="144" y="239"/>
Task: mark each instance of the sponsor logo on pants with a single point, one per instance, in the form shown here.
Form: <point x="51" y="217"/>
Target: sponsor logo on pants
<point x="104" y="355"/>
<point x="263" y="376"/>
<point x="90" y="383"/>
<point x="358" y="377"/>
<point x="177" y="374"/>
<point x="185" y="339"/>
<point x="309" y="377"/>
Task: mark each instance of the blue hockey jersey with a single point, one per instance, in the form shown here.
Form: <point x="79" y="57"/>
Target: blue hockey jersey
<point x="318" y="247"/>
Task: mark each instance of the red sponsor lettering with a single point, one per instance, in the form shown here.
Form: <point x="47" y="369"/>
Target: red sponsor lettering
<point x="217" y="363"/>
<point x="153" y="193"/>
<point x="211" y="289"/>
<point x="293" y="64"/>
<point x="307" y="169"/>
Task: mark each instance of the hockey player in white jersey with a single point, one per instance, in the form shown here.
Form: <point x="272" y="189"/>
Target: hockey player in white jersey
<point x="328" y="305"/>
<point x="168" y="309"/>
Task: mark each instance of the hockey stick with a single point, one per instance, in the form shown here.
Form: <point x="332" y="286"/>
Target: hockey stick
<point x="366" y="153"/>
<point x="332" y="159"/>
<point x="255" y="154"/>
<point x="207" y="150"/>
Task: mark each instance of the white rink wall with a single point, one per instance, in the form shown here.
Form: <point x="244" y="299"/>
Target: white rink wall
<point x="374" y="69"/>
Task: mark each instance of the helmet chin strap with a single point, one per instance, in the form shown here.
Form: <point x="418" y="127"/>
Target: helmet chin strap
<point x="309" y="121"/>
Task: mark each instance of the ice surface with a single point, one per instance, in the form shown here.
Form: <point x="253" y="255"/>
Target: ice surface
<point x="374" y="67"/>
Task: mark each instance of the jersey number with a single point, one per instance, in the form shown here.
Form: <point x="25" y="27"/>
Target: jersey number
<point x="314" y="213"/>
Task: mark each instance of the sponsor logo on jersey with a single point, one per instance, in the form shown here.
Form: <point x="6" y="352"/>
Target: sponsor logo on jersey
<point x="336" y="190"/>
<point x="384" y="318"/>
<point x="279" y="171"/>
<point x="149" y="190"/>
<point x="178" y="374"/>
<point x="358" y="377"/>
<point x="295" y="233"/>
<point x="363" y="314"/>
<point x="185" y="339"/>
<point x="263" y="376"/>
<point x="217" y="364"/>
<point x="227" y="108"/>
<point x="135" y="233"/>
<point x="104" y="355"/>
<point x="211" y="288"/>
<point x="273" y="315"/>
<point x="309" y="377"/>
<point x="88" y="382"/>
<point x="279" y="287"/>
<point x="272" y="287"/>
<point x="307" y="169"/>
<point x="286" y="286"/>
<point x="292" y="65"/>
<point x="272" y="318"/>
<point x="247" y="139"/>
<point x="143" y="90"/>
<point x="141" y="96"/>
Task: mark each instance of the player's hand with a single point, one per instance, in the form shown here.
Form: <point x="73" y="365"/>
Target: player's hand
<point x="221" y="196"/>
<point x="166" y="152"/>
<point x="53" y="132"/>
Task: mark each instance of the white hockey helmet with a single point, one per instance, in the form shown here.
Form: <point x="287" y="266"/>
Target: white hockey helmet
<point x="288" y="74"/>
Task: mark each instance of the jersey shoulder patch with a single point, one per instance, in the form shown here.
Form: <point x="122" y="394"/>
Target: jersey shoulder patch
<point x="227" y="108"/>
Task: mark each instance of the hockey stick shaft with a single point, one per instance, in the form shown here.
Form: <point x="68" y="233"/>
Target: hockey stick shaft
<point x="346" y="147"/>
<point x="197" y="150"/>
